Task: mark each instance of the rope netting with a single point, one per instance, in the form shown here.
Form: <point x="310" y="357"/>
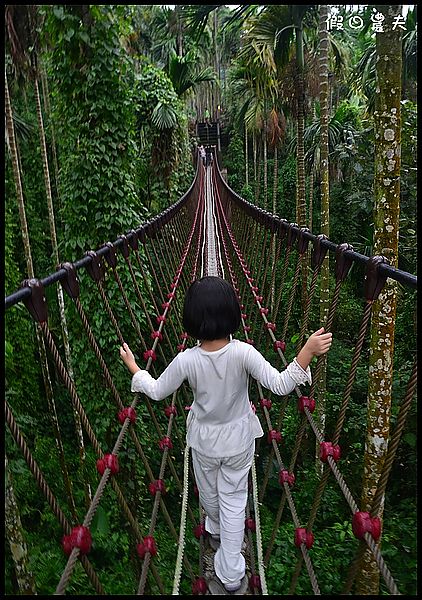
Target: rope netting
<point x="138" y="283"/>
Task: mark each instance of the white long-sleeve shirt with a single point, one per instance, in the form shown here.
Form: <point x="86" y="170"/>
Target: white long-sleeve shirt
<point x="221" y="422"/>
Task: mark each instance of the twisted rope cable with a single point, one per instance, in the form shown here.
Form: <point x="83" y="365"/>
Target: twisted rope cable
<point x="291" y="297"/>
<point x="132" y="432"/>
<point x="333" y="465"/>
<point x="303" y="548"/>
<point x="147" y="557"/>
<point x="261" y="567"/>
<point x="45" y="489"/>
<point x="388" y="463"/>
<point x="182" y="531"/>
<point x="283" y="277"/>
<point x="78" y="406"/>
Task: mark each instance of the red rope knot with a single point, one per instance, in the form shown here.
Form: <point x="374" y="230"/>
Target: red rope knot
<point x="270" y="326"/>
<point x="147" y="545"/>
<point x="250" y="279"/>
<point x="247" y="328"/>
<point x="80" y="537"/>
<point x="173" y="285"/>
<point x="184" y="336"/>
<point x="254" y="288"/>
<point x="109" y="461"/>
<point x="303" y="537"/>
<point x="250" y="524"/>
<point x="362" y="523"/>
<point x="242" y="307"/>
<point x="199" y="530"/>
<point x="249" y="341"/>
<point x="199" y="586"/>
<point x="170" y="410"/>
<point x="165" y="442"/>
<point x="127" y="413"/>
<point x="263" y="311"/>
<point x="286" y="477"/>
<point x="255" y="582"/>
<point x="279" y="345"/>
<point x="306" y="401"/>
<point x="265" y="402"/>
<point x="248" y="271"/>
<point x="170" y="295"/>
<point x="259" y="298"/>
<point x="274" y="435"/>
<point x="164" y="306"/>
<point x="157" y="486"/>
<point x="327" y="449"/>
<point x="181" y="347"/>
<point x="157" y="334"/>
<point x="150" y="354"/>
<point x="244" y="316"/>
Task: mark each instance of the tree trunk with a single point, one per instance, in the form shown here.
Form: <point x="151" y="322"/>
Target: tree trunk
<point x="273" y="252"/>
<point x="46" y="95"/>
<point x="246" y="159"/>
<point x="65" y="332"/>
<point x="18" y="182"/>
<point x="387" y="127"/>
<point x="301" y="184"/>
<point x="254" y="159"/>
<point x="16" y="538"/>
<point x="258" y="174"/>
<point x="217" y="63"/>
<point x="265" y="165"/>
<point x="325" y="209"/>
<point x="301" y="199"/>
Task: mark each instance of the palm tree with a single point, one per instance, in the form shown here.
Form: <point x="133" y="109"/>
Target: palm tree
<point x="181" y="71"/>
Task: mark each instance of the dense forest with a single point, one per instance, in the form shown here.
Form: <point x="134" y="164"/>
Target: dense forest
<point x="103" y="105"/>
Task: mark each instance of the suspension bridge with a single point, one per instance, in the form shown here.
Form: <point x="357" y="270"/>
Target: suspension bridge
<point x="140" y="280"/>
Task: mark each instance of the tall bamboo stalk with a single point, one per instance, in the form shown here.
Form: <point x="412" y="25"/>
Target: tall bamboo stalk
<point x="30" y="270"/>
<point x="59" y="289"/>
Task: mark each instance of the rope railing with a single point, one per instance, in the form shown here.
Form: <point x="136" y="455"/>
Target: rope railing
<point x="272" y="437"/>
<point x="210" y="230"/>
<point x="368" y="539"/>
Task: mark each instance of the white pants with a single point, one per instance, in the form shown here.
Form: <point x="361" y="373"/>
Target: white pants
<point x="223" y="489"/>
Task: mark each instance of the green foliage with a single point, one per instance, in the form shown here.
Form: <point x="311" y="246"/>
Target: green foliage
<point x="124" y="154"/>
<point x="234" y="161"/>
<point x="92" y="80"/>
<point x="165" y="161"/>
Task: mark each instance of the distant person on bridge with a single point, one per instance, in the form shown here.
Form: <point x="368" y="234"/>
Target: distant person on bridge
<point x="207" y="116"/>
<point x="202" y="154"/>
<point x="209" y="156"/>
<point x="222" y="425"/>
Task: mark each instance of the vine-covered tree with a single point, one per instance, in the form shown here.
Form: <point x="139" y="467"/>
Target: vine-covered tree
<point x="387" y="125"/>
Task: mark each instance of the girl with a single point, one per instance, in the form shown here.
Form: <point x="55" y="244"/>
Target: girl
<point x="221" y="425"/>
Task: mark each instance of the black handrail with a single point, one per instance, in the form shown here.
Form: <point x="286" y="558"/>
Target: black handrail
<point x="270" y="220"/>
<point x="255" y="212"/>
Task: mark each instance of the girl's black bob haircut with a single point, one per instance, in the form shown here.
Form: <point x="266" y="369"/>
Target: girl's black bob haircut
<point x="211" y="310"/>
